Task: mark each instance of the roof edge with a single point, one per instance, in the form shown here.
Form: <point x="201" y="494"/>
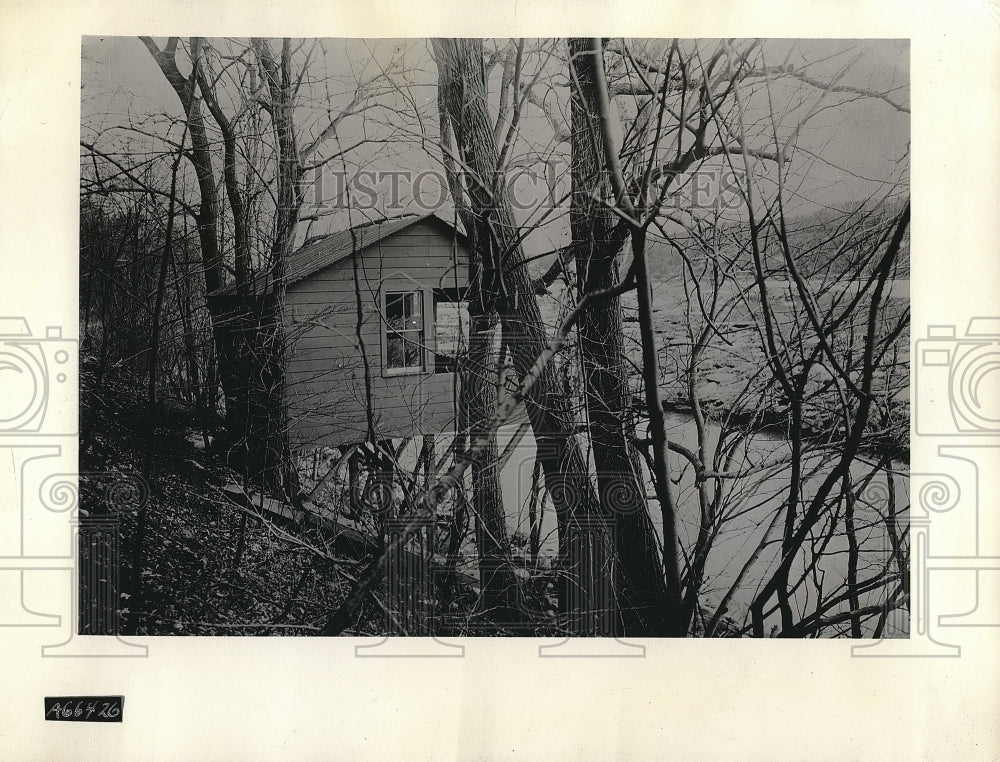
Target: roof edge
<point x="412" y="219"/>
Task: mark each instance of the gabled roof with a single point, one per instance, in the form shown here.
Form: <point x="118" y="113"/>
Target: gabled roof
<point x="330" y="249"/>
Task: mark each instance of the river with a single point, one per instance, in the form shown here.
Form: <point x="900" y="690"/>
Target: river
<point x="750" y="508"/>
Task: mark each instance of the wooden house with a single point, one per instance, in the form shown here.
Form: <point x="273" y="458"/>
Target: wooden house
<point x="371" y="317"/>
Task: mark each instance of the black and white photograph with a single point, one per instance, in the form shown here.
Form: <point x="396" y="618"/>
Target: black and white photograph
<point x="495" y="337"/>
<point x="486" y="381"/>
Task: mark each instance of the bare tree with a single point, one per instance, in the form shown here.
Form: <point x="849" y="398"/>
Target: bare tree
<point x="798" y="326"/>
<point x="725" y="446"/>
<point x="597" y="243"/>
<point x="498" y="584"/>
<point x="506" y="280"/>
<point x="263" y="170"/>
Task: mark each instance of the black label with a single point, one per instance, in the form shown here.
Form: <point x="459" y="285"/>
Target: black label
<point x="84" y="708"/>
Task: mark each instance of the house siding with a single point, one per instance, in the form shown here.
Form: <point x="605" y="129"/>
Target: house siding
<point x="325" y="370"/>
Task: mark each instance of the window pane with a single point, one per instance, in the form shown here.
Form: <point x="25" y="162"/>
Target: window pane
<point x="413" y="353"/>
<point x="413" y="312"/>
<point x="394" y="351"/>
<point x="404" y="332"/>
<point x="451" y="325"/>
<point x="403" y="311"/>
<point x="394" y="306"/>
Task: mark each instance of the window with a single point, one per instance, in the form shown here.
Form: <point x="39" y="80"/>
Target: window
<point x="451" y="328"/>
<point x="404" y="332"/>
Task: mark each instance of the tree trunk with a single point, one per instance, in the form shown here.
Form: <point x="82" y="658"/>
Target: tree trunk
<point x="279" y="470"/>
<point x="498" y="590"/>
<point x="597" y="240"/>
<point x="505" y="278"/>
<point x="249" y="355"/>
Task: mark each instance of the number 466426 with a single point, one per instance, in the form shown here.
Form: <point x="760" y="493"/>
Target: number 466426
<point x="84" y="708"/>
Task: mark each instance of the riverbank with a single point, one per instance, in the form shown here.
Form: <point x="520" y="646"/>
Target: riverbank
<point x="734" y="385"/>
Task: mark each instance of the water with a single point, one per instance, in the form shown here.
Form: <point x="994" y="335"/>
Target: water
<point x="752" y="508"/>
<point x="752" y="511"/>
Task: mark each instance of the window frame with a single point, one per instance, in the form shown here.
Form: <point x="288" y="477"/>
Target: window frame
<point x="387" y="331"/>
<point x="444" y="363"/>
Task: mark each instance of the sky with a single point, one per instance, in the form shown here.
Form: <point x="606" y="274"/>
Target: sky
<point x="845" y="153"/>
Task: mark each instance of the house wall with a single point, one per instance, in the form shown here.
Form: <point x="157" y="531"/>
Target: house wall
<point x="325" y="371"/>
